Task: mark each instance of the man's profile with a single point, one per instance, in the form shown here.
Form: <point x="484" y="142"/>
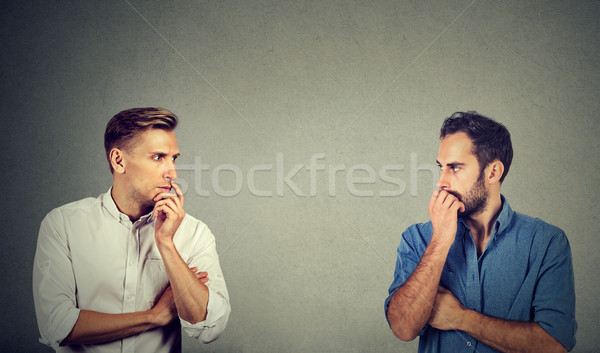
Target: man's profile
<point x="126" y="271"/>
<point x="480" y="277"/>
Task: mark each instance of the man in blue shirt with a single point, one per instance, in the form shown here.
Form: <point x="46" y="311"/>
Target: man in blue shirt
<point x="480" y="277"/>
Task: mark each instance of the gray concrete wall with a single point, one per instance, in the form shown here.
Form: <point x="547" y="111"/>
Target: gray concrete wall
<point x="353" y="85"/>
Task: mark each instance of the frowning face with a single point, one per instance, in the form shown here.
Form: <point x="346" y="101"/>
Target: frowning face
<point x="461" y="174"/>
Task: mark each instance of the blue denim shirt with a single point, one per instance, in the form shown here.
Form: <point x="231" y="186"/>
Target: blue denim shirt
<point x="524" y="274"/>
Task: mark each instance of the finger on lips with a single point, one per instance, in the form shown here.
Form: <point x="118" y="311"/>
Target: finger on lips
<point x="444" y="197"/>
<point x="179" y="193"/>
<point x="177" y="189"/>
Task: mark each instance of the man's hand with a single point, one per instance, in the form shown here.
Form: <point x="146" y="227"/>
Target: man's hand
<point x="168" y="211"/>
<point x="202" y="276"/>
<point x="447" y="311"/>
<point x="443" y="210"/>
<point x="164" y="311"/>
<point x="500" y="334"/>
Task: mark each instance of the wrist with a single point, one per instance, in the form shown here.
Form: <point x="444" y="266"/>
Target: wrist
<point x="440" y="244"/>
<point x="152" y="319"/>
<point x="156" y="318"/>
<point x="164" y="243"/>
<point x="467" y="317"/>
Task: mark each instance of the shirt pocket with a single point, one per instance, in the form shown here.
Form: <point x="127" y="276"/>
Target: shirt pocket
<point x="154" y="279"/>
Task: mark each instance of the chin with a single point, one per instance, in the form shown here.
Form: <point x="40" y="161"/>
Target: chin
<point x="473" y="212"/>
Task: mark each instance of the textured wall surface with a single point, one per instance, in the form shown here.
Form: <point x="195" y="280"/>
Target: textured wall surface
<point x="264" y="87"/>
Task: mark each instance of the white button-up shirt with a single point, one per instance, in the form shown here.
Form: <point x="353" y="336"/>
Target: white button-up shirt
<point x="91" y="256"/>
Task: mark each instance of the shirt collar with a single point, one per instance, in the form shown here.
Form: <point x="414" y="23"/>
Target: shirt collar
<point x="503" y="221"/>
<point x="505" y="217"/>
<point x="109" y="204"/>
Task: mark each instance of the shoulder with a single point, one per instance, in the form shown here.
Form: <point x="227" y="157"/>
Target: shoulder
<point x="73" y="209"/>
<point x="535" y="226"/>
<point x="540" y="234"/>
<point x="57" y="221"/>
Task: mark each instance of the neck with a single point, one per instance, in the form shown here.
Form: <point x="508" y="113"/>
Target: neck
<point x="482" y="224"/>
<point x="126" y="204"/>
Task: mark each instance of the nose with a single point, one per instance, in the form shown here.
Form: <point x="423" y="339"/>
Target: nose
<point x="443" y="183"/>
<point x="170" y="173"/>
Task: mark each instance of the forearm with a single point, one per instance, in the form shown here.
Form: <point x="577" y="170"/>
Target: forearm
<point x="95" y="327"/>
<point x="507" y="335"/>
<point x="411" y="305"/>
<point x="190" y="294"/>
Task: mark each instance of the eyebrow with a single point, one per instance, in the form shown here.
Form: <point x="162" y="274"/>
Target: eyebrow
<point x="451" y="164"/>
<point x="165" y="154"/>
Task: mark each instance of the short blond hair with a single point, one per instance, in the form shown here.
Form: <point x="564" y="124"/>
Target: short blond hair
<point x="123" y="129"/>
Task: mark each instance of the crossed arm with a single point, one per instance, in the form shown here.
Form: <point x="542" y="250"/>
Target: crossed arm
<point x="95" y="327"/>
<point x="413" y="306"/>
<point x="503" y="335"/>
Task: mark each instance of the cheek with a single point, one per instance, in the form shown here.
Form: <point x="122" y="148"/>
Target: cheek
<point x="136" y="168"/>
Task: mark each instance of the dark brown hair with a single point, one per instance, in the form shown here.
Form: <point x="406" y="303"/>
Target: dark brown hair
<point x="491" y="140"/>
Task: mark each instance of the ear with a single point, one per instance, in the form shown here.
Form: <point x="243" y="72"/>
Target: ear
<point x="117" y="161"/>
<point x="494" y="172"/>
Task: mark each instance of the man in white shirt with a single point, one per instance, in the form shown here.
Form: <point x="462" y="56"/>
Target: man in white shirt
<point x="125" y="271"/>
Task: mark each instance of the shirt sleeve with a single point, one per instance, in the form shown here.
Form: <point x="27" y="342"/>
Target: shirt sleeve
<point x="409" y="251"/>
<point x="53" y="284"/>
<point x="218" y="307"/>
<point x="554" y="299"/>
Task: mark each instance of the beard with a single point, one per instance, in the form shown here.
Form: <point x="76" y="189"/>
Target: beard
<point x="475" y="199"/>
<point x="139" y="198"/>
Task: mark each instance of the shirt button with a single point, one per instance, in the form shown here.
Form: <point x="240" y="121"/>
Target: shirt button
<point x="468" y="344"/>
<point x="131" y="263"/>
<point x="129" y="297"/>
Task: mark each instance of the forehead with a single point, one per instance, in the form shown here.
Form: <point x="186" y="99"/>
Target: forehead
<point x="456" y="147"/>
<point x="157" y="140"/>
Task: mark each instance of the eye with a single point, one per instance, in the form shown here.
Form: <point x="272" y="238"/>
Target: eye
<point x="455" y="169"/>
<point x="157" y="157"/>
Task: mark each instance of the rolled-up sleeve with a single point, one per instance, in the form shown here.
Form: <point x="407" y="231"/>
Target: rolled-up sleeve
<point x="218" y="307"/>
<point x="409" y="255"/>
<point x="217" y="315"/>
<point x="53" y="284"/>
<point x="554" y="300"/>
